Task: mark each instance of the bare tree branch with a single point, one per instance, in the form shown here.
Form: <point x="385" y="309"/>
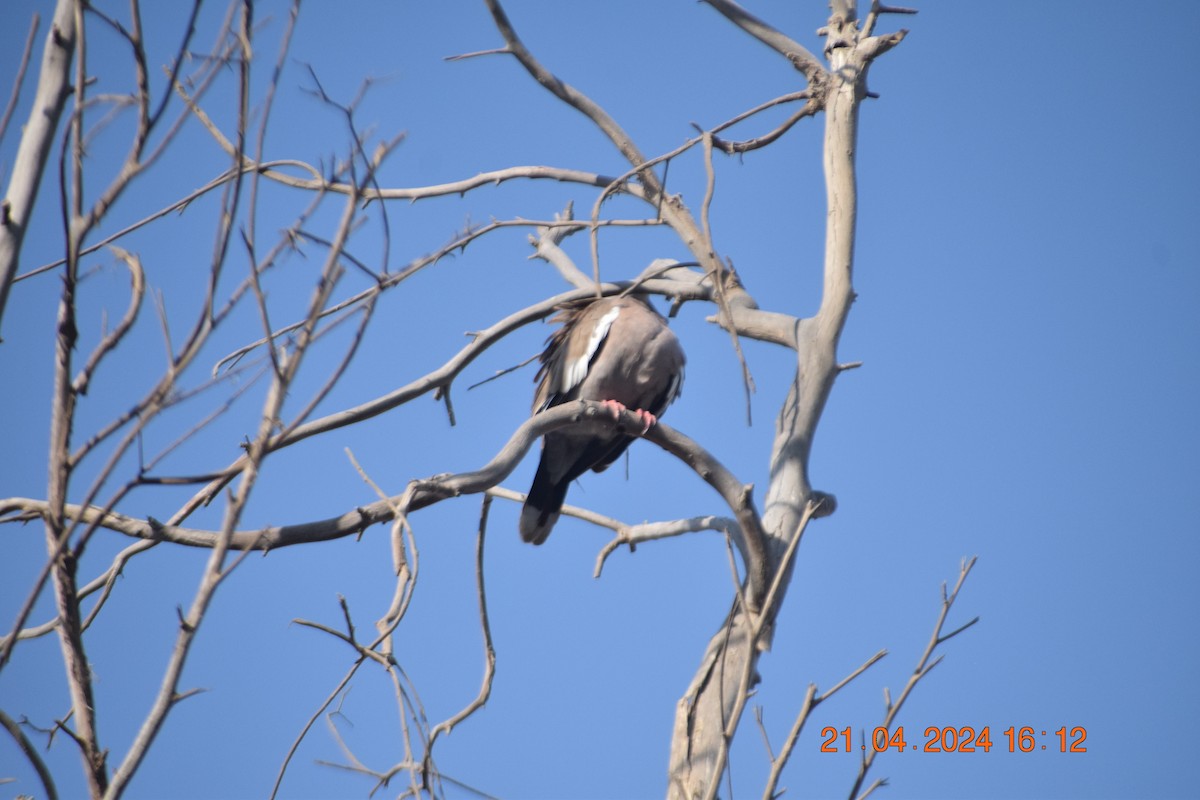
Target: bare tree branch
<point x="31" y="754"/>
<point x="793" y="51"/>
<point x="546" y="247"/>
<point x="114" y="337"/>
<point x="633" y="535"/>
<point x="811" y="701"/>
<point x="48" y="103"/>
<point x="924" y="665"/>
<point x="420" y="494"/>
<point x="575" y="99"/>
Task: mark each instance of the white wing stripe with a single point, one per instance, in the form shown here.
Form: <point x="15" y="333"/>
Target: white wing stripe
<point x="577" y="370"/>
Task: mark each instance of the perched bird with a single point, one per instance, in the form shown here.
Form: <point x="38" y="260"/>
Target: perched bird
<point x="616" y="350"/>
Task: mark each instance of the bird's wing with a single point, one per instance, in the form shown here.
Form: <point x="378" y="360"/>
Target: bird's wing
<point x="570" y="350"/>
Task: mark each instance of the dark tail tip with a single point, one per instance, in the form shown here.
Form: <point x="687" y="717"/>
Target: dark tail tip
<point x="541" y="508"/>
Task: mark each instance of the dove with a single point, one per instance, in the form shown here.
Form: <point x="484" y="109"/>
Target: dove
<point x="615" y="350"/>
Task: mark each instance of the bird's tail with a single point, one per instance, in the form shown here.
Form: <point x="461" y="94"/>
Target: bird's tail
<point x="541" y="508"/>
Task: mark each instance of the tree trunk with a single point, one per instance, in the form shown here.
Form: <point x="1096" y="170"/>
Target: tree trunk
<point x="707" y="715"/>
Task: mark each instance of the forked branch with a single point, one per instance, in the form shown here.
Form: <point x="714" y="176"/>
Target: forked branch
<point x="924" y="665"/>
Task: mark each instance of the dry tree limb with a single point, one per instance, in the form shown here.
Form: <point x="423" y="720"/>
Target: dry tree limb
<point x="729" y="292"/>
<point x="31" y="754"/>
<point x="547" y="247"/>
<point x="673" y="212"/>
<point x="877" y="10"/>
<point x="60" y="565"/>
<point x="37" y="137"/>
<point x="633" y="535"/>
<point x="720" y="276"/>
<point x="730" y="147"/>
<point x="573" y="98"/>
<point x="421" y="494"/>
<point x="793" y="51"/>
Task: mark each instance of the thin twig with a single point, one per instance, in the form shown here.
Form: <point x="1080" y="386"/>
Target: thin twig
<point x="31" y="754"/>
<point x="924" y="665"/>
<point x="489" y="652"/>
<point x="316" y="715"/>
<point x="811" y="701"/>
<point x="114" y="337"/>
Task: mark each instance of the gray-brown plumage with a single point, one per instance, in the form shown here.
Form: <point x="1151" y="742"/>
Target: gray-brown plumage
<point x="616" y="350"/>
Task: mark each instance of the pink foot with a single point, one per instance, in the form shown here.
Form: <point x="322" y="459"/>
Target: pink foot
<point x="615" y="407"/>
<point x="648" y="419"/>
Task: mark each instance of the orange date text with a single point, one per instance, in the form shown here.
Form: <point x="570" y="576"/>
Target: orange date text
<point x="966" y="739"/>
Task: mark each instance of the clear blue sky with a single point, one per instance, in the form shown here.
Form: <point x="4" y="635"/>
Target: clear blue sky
<point x="1028" y="323"/>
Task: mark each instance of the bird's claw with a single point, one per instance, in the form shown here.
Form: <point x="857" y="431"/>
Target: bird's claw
<point x="615" y="407"/>
<point x="648" y="420"/>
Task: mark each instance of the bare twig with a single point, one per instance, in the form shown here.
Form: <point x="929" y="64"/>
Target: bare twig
<point x="316" y="715"/>
<point x="114" y="337"/>
<point x="546" y="247"/>
<point x="731" y="147"/>
<point x="573" y="98"/>
<point x="924" y="665"/>
<point x="718" y="275"/>
<point x="57" y="527"/>
<point x="811" y="701"/>
<point x="633" y="535"/>
<point x="878" y="9"/>
<point x="789" y="744"/>
<point x="31" y="754"/>
<point x="489" y="652"/>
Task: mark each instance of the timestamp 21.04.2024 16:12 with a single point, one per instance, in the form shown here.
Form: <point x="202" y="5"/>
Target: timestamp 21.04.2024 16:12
<point x="966" y="739"/>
